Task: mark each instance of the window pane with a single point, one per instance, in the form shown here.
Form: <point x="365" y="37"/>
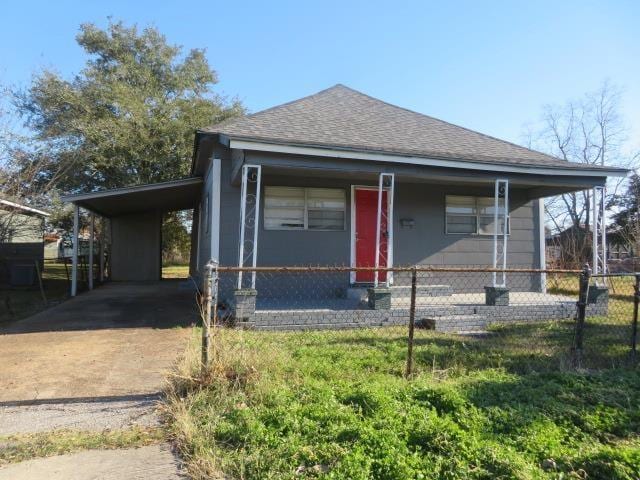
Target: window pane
<point x="283" y="208"/>
<point x="486" y="204"/>
<point x="325" y="219"/>
<point x="461" y="224"/>
<point x="283" y="218"/>
<point x="325" y="198"/>
<point x="463" y="205"/>
<point x="486" y="225"/>
<point x="283" y="197"/>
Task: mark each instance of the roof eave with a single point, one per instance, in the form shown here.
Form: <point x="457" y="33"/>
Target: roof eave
<point x="24" y="208"/>
<point x="248" y="143"/>
<point x="77" y="197"/>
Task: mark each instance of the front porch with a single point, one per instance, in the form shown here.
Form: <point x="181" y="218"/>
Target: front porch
<point x="462" y="312"/>
<point x="445" y="300"/>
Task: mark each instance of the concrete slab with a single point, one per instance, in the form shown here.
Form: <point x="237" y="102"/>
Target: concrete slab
<point x="117" y="340"/>
<point x="156" y="462"/>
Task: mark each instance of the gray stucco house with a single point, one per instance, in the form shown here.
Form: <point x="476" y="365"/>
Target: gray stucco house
<point x="341" y="178"/>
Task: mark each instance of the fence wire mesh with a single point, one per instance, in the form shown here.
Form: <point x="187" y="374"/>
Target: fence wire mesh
<point x="435" y="319"/>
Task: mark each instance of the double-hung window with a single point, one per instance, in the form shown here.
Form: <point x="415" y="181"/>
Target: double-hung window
<point x="297" y="208"/>
<point x="473" y="215"/>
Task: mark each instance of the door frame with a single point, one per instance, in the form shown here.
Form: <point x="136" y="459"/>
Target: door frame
<point x="352" y="235"/>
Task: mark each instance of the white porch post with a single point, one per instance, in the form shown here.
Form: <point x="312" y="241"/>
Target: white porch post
<point x="74" y="254"/>
<point x="249" y="217"/>
<point x="542" y="245"/>
<point x="500" y="251"/>
<point x="598" y="231"/>
<point x="91" y="234"/>
<point x="385" y="181"/>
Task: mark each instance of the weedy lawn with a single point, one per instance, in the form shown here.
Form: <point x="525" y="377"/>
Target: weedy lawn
<point x="334" y="404"/>
<point x="17" y="303"/>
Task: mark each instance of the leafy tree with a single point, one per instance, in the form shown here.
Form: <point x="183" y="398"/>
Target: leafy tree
<point x="129" y="116"/>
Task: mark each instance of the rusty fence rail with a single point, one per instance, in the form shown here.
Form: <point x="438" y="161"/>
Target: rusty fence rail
<point x="446" y="317"/>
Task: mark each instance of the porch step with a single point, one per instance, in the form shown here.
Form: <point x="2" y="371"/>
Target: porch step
<point x="457" y="323"/>
<point x="319" y="326"/>
<point x="403" y="291"/>
<point x="422" y="291"/>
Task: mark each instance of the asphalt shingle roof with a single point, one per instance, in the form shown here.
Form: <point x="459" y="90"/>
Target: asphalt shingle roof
<point x="341" y="117"/>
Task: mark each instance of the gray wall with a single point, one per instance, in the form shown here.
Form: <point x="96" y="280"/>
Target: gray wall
<point x="425" y="243"/>
<point x="136" y="247"/>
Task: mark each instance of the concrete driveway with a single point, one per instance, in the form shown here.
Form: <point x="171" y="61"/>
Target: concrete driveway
<point x="116" y="341"/>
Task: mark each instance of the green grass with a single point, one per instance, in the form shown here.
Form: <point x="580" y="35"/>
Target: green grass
<point x="17" y="303"/>
<point x="175" y="271"/>
<point x="335" y="405"/>
<point x="18" y="448"/>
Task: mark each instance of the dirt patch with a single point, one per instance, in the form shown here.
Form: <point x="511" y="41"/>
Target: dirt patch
<point x="117" y="340"/>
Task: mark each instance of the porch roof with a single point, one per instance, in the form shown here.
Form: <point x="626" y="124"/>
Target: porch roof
<point x="165" y="196"/>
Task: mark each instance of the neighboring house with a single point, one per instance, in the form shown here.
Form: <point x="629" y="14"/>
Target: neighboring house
<point x="21" y="242"/>
<point x="572" y="248"/>
<point x="309" y="174"/>
<point x="53" y="246"/>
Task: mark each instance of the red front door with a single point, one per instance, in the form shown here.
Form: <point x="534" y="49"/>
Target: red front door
<point x="366" y="221"/>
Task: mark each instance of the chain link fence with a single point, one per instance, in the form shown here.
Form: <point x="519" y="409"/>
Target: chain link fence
<point x="437" y="318"/>
<point x="34" y="284"/>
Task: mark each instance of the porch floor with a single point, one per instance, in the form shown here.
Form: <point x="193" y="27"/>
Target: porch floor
<point x="279" y="304"/>
<point x="463" y="312"/>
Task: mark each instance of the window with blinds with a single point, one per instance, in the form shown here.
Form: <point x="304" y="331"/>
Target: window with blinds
<point x="472" y="215"/>
<point x="296" y="208"/>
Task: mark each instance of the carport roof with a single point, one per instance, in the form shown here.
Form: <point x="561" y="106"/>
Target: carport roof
<point x="165" y="196"/>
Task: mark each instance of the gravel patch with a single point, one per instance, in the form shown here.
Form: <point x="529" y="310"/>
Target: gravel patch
<point x="82" y="414"/>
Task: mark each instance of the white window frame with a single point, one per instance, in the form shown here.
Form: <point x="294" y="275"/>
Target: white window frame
<point x="306" y="209"/>
<point x="477" y="216"/>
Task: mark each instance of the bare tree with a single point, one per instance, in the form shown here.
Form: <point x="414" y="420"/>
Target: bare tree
<point x="589" y="131"/>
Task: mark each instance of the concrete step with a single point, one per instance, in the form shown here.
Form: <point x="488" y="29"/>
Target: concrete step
<point x="319" y="326"/>
<point x="422" y="291"/>
<point x="455" y="323"/>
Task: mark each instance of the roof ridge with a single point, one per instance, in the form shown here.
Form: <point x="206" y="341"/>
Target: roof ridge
<point x="446" y="122"/>
<point x="231" y="121"/>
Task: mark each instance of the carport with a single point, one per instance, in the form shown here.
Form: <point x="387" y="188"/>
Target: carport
<point x="134" y="219"/>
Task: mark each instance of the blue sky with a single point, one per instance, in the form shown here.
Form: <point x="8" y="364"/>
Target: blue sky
<point x="489" y="65"/>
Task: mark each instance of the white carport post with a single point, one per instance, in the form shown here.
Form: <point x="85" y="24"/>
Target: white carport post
<point x="92" y="229"/>
<point x="103" y="236"/>
<point x="74" y="254"/>
<point x="249" y="217"/>
<point x="500" y="251"/>
<point x="385" y="181"/>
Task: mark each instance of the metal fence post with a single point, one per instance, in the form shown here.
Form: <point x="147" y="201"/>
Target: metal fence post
<point x="412" y="322"/>
<point x="582" y="311"/>
<point x="215" y="280"/>
<point x="634" y="326"/>
<point x="206" y="315"/>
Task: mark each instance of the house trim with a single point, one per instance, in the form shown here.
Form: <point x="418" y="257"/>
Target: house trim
<point x="215" y="176"/>
<point x="431" y="162"/>
<point x="24" y="207"/>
